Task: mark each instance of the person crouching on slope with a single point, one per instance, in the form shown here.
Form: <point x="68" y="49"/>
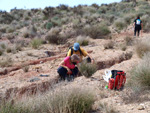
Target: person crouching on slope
<point x="68" y="66"/>
<point x="76" y="49"/>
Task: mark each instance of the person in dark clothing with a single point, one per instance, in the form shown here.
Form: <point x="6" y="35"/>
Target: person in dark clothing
<point x="68" y="66"/>
<point x="138" y="26"/>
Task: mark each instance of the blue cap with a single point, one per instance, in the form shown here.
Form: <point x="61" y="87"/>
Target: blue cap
<point x="76" y="46"/>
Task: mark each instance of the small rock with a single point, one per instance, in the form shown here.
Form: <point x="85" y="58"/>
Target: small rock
<point x="34" y="79"/>
<point x="140" y="107"/>
<point x="44" y="75"/>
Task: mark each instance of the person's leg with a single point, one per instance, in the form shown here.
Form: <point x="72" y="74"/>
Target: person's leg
<point x="138" y="32"/>
<point x="135" y="31"/>
<point x="75" y="71"/>
<point x="62" y="72"/>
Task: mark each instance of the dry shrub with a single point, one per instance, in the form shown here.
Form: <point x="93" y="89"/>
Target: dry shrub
<point x="129" y="41"/>
<point x="1" y="52"/>
<point x="83" y="40"/>
<point x="30" y="32"/>
<point x="142" y="47"/>
<point x="6" y="62"/>
<point x="67" y="100"/>
<point x="87" y="69"/>
<point x="54" y="36"/>
<point x="120" y="24"/>
<point x="96" y="31"/>
<point x="146" y="22"/>
<point x="106" y="108"/>
<point x="109" y="45"/>
<point x="26" y="68"/>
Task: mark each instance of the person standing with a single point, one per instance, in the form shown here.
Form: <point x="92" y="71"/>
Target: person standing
<point x="138" y="26"/>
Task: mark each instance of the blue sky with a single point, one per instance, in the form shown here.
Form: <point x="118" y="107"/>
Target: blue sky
<point x="28" y="4"/>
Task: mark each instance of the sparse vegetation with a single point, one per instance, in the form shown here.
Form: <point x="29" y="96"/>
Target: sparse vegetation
<point x="106" y="108"/>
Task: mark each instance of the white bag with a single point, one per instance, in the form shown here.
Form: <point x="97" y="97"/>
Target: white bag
<point x="107" y="75"/>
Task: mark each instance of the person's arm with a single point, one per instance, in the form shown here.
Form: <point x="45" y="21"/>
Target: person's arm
<point x="86" y="54"/>
<point x="141" y="26"/>
<point x="62" y="65"/>
<point x="141" y="29"/>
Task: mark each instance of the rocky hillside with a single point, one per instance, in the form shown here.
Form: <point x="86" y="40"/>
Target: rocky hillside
<point x="33" y="43"/>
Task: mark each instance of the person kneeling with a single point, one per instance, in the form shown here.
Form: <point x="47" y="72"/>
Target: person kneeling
<point x="68" y="67"/>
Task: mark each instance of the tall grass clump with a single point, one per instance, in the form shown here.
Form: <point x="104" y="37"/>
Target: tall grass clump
<point x="67" y="100"/>
<point x="36" y="43"/>
<point x="140" y="75"/>
<point x="142" y="47"/>
<point x="83" y="40"/>
<point x="87" y="69"/>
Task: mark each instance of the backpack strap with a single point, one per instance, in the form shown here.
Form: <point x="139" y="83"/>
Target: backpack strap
<point x="80" y="51"/>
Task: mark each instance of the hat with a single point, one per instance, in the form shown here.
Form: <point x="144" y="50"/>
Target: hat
<point x="76" y="46"/>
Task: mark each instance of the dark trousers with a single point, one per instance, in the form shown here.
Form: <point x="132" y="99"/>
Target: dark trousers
<point x="137" y="29"/>
<point x="63" y="72"/>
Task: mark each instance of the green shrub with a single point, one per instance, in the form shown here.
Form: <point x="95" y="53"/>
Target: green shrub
<point x="35" y="43"/>
<point x="140" y="75"/>
<point x="142" y="47"/>
<point x="83" y="40"/>
<point x="49" y="25"/>
<point x="87" y="69"/>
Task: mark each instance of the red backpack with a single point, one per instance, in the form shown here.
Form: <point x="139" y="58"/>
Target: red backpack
<point x="118" y="79"/>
